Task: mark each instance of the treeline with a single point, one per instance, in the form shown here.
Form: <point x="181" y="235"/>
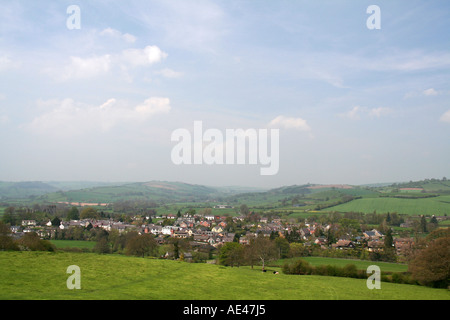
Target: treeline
<point x="428" y="263"/>
<point x="29" y="242"/>
<point x="302" y="267"/>
<point x="43" y="214"/>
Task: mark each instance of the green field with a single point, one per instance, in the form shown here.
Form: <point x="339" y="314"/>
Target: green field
<point x="73" y="244"/>
<point x="41" y="275"/>
<point x="437" y="205"/>
<point x="360" y="264"/>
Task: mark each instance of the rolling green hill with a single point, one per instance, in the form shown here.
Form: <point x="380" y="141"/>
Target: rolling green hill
<point x="41" y="275"/>
<point x="438" y="206"/>
<point x="420" y="197"/>
<point x="21" y="190"/>
<point x="154" y="190"/>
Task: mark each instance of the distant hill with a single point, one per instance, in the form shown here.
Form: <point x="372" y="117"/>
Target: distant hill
<point x="21" y="190"/>
<point x="427" y="185"/>
<point x="324" y="197"/>
<point x="153" y="191"/>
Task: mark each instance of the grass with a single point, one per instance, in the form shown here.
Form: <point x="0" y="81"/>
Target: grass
<point x="73" y="244"/>
<point x="42" y="276"/>
<point x="437" y="205"/>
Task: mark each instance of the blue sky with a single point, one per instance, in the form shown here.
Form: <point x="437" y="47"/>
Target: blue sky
<point x="101" y="102"/>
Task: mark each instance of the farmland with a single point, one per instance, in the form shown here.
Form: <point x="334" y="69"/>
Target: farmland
<point x="39" y="275"/>
<point x="429" y="206"/>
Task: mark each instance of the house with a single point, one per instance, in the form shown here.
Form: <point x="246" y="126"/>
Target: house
<point x="28" y="223"/>
<point x="244" y="240"/>
<point x="343" y="244"/>
<point x="205" y="224"/>
<point x="180" y="234"/>
<point x="403" y="246"/>
<point x="154" y="229"/>
<point x="14" y="229"/>
<point x="217" y="229"/>
<point x="201" y="237"/>
<point x="229" y="237"/>
<point x="375" y="245"/>
<point x="168" y="230"/>
<point x="373" y="234"/>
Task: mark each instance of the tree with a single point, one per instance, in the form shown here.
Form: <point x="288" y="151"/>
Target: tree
<point x="102" y="246"/>
<point x="388" y="240"/>
<point x="141" y="245"/>
<point x="264" y="248"/>
<point x="297" y="250"/>
<point x="282" y="247"/>
<point x="6" y="241"/>
<point x="431" y="264"/>
<point x="89" y="213"/>
<point x="56" y="222"/>
<point x="244" y="210"/>
<point x="73" y="214"/>
<point x="231" y="253"/>
<point x="423" y="224"/>
<point x="10" y="217"/>
<point x="31" y="241"/>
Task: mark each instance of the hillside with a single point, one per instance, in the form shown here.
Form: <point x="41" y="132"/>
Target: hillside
<point x="26" y="189"/>
<point x="428" y="197"/>
<point x="154" y="191"/>
<point x="113" y="277"/>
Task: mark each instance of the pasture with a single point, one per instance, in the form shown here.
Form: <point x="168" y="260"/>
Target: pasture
<point x="428" y="206"/>
<point x="42" y="275"/>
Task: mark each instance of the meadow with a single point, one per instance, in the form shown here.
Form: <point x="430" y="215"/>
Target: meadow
<point x="59" y="244"/>
<point x="42" y="276"/>
<point x="429" y="206"/>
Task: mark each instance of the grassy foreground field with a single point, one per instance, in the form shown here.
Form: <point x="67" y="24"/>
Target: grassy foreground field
<point x="42" y="276"/>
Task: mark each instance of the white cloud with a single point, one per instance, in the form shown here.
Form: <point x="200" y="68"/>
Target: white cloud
<point x="357" y="112"/>
<point x="446" y="117"/>
<point x="154" y="106"/>
<point x="353" y="114"/>
<point x="83" y="68"/>
<point x="290" y="123"/>
<point x="430" y="92"/>
<point x="169" y="73"/>
<point x="68" y="117"/>
<point x="90" y="67"/>
<point x="143" y="57"/>
<point x="379" y="112"/>
<point x="129" y="38"/>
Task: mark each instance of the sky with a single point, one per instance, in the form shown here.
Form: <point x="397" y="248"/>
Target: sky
<point x="95" y="94"/>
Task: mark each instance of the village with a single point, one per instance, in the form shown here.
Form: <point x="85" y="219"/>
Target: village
<point x="214" y="231"/>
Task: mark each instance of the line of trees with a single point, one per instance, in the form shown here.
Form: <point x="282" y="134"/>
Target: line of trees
<point x="260" y="250"/>
<point x="29" y="242"/>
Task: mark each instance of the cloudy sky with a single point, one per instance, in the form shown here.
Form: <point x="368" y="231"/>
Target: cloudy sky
<point x="100" y="102"/>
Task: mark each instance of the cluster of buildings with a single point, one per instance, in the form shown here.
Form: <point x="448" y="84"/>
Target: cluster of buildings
<point x="212" y="230"/>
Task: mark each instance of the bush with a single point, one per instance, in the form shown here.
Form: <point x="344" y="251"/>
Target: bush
<point x="297" y="267"/>
<point x="349" y="271"/>
<point x="31" y="242"/>
<point x="303" y="267"/>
